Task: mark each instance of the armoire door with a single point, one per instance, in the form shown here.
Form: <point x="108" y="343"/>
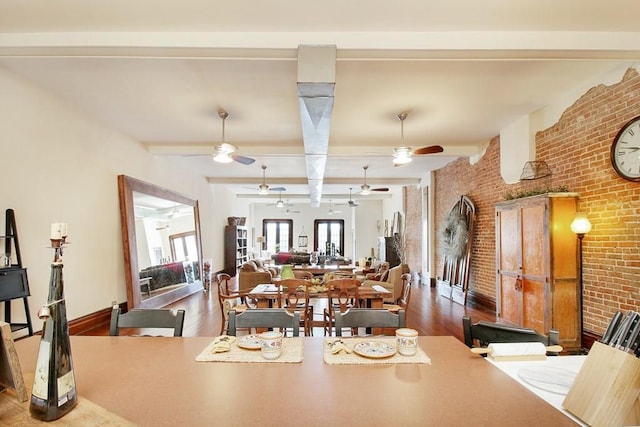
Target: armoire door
<point x="508" y="263"/>
<point x="534" y="252"/>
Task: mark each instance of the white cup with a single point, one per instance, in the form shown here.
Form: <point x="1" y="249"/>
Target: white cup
<point x="271" y="344"/>
<point x="407" y="341"/>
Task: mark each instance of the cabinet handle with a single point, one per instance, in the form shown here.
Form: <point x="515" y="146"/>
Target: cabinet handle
<point x="518" y="285"/>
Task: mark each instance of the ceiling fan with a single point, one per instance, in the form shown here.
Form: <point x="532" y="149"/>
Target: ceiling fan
<point x="224" y="151"/>
<point x="289" y="211"/>
<point x="331" y="211"/>
<point x="280" y="203"/>
<point x="263" y="189"/>
<point x="366" y="188"/>
<point x="352" y="202"/>
<point x="402" y="155"/>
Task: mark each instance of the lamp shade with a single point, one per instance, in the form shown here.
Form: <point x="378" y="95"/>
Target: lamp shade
<point x="581" y="224"/>
<point x="260" y="239"/>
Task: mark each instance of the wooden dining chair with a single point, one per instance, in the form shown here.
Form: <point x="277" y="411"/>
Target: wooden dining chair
<point x="368" y="318"/>
<point x="146" y="318"/>
<point x="295" y="297"/>
<point x="484" y="333"/>
<point x="264" y="318"/>
<point x="342" y="294"/>
<point x="228" y="299"/>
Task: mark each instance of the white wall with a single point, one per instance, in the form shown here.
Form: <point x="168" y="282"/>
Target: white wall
<point x="361" y="220"/>
<point x="61" y="166"/>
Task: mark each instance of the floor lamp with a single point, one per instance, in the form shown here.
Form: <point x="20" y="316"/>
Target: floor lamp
<point x="260" y="240"/>
<point x="580" y="226"/>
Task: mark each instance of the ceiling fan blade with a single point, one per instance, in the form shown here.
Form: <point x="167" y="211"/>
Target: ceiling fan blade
<point x="277" y="189"/>
<point x="428" y="150"/>
<point x="242" y="159"/>
<point x="379" y="189"/>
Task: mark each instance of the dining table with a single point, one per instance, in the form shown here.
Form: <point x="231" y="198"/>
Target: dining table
<point x="156" y="381"/>
<point x="550" y="378"/>
<point x="266" y="293"/>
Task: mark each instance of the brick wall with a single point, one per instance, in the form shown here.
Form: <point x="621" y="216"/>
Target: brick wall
<point x="577" y="151"/>
<point x="412" y="202"/>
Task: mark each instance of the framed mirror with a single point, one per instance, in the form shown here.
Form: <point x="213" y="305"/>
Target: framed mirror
<point x="161" y="244"/>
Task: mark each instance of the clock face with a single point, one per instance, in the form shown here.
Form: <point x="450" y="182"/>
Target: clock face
<point x="625" y="151"/>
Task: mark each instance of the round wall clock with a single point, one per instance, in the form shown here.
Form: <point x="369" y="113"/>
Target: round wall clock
<point x="625" y="151"/>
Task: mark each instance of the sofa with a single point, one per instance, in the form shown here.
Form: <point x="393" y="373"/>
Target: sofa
<point x="391" y="280"/>
<point x="170" y="274"/>
<point x="254" y="272"/>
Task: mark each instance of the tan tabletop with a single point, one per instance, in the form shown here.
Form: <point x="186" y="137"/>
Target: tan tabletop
<point x="156" y="381"/>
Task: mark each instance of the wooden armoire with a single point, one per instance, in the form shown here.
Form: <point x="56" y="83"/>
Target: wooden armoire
<point x="536" y="264"/>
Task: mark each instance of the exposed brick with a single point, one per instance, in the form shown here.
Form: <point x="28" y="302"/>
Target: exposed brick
<point x="577" y="151"/>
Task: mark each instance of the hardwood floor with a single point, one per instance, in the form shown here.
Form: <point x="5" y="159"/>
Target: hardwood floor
<point x="428" y="313"/>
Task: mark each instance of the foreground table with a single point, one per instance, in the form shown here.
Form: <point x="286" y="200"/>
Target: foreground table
<point x="156" y="381"/>
<point x="570" y="364"/>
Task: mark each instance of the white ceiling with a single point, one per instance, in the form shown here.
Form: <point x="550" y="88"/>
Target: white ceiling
<point x="159" y="71"/>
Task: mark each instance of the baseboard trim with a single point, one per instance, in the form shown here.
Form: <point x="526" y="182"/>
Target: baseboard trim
<point x="480" y="300"/>
<point x="91" y="321"/>
<point x="588" y="338"/>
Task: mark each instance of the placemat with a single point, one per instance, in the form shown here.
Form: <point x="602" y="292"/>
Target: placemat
<point x="86" y="413"/>
<point x="291" y="353"/>
<point x="356" y="359"/>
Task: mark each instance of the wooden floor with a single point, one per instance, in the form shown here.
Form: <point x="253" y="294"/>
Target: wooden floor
<point x="428" y="313"/>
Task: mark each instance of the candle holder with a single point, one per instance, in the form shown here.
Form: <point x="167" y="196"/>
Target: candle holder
<point x="54" y="388"/>
<point x="57" y="245"/>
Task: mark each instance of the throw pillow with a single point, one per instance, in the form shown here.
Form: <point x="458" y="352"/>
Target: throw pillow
<point x="384" y="276"/>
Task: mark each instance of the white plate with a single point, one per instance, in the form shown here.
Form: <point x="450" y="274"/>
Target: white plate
<point x="374" y="349"/>
<point x="548" y="378"/>
<point x="249" y="342"/>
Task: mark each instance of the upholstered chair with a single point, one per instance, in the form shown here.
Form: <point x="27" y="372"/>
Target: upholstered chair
<point x="250" y="275"/>
<point x="391" y="280"/>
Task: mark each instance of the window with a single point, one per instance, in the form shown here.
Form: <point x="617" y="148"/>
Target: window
<point x="183" y="247"/>
<point x="278" y="235"/>
<point x="328" y="236"/>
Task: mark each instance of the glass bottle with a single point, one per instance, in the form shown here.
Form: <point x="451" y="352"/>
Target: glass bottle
<point x="54" y="388"/>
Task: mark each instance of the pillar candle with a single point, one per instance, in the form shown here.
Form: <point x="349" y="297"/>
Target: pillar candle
<point x="57" y="229"/>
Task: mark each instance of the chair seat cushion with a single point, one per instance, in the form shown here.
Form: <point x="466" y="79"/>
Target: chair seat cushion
<point x="392" y="307"/>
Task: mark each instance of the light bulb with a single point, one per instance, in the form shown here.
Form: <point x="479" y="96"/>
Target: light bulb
<point x="222" y="158"/>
